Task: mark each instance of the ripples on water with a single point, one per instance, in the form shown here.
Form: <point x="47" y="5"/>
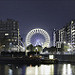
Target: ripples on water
<point x="52" y="69"/>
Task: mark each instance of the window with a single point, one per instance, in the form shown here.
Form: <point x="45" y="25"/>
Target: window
<point x="6" y="34"/>
<point x="9" y="39"/>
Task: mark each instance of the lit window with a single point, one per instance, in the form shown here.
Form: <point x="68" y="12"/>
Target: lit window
<point x="73" y="30"/>
<point x="15" y="40"/>
<point x="12" y="39"/>
<point x="51" y="56"/>
<point x="6" y="34"/>
<point x="9" y="39"/>
<point x="73" y="34"/>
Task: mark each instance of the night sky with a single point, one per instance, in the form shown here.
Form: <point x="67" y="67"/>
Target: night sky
<point x="46" y="14"/>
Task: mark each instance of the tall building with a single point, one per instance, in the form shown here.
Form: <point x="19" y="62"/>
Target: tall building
<point x="67" y="34"/>
<point x="60" y="37"/>
<point x="9" y="33"/>
<point x="54" y="38"/>
<point x="73" y="33"/>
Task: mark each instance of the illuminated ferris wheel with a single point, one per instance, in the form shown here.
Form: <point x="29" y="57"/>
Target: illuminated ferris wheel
<point x="40" y="31"/>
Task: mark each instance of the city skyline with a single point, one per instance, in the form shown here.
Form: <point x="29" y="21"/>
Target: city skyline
<point x="38" y="14"/>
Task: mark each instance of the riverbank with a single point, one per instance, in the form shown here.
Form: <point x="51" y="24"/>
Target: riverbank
<point x="27" y="60"/>
<point x="65" y="58"/>
<point x="36" y="60"/>
<point x="61" y="57"/>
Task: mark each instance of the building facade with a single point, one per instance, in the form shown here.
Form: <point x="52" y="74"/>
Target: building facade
<point x="73" y="33"/>
<point x="9" y="33"/>
<point x="67" y="34"/>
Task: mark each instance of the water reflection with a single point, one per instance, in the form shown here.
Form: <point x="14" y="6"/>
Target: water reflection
<point x="41" y="70"/>
<point x="52" y="69"/>
<point x="67" y="70"/>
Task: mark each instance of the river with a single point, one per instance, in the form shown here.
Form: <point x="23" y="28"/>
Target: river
<point x="52" y="69"/>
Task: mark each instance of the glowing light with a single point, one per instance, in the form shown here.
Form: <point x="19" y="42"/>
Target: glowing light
<point x="36" y="70"/>
<point x="41" y="70"/>
<point x="72" y="22"/>
<point x="46" y="70"/>
<point x="64" y="42"/>
<point x="42" y="32"/>
<point x="67" y="70"/>
<point x="30" y="71"/>
<point x="6" y="34"/>
<point x="10" y="72"/>
<point x="73" y="30"/>
<point x="64" y="69"/>
<point x="68" y="43"/>
<point x="73" y="33"/>
<point x="38" y="43"/>
<point x="51" y="56"/>
<point x="52" y="69"/>
<point x="68" y="49"/>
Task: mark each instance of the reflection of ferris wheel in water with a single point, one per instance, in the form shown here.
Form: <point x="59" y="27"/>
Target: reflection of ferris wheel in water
<point x="40" y="31"/>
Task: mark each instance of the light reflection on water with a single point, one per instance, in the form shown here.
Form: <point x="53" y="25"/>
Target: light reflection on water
<point x="52" y="69"/>
<point x="41" y="70"/>
<point x="67" y="69"/>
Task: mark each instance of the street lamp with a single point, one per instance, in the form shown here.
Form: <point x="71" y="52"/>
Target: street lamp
<point x="36" y="49"/>
<point x="64" y="42"/>
<point x="70" y="47"/>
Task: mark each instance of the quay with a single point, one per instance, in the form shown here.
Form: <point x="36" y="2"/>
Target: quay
<point x="26" y="60"/>
<point x="20" y="58"/>
<point x="68" y="58"/>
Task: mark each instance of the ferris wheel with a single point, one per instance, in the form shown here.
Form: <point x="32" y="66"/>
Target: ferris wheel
<point x="36" y="31"/>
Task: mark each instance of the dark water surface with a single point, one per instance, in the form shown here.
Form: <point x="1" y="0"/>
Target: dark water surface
<point x="52" y="69"/>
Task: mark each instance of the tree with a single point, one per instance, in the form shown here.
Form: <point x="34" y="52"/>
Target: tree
<point x="30" y="47"/>
<point x="38" y="48"/>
